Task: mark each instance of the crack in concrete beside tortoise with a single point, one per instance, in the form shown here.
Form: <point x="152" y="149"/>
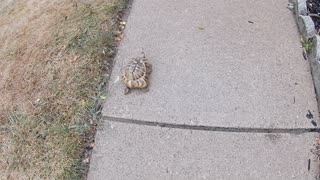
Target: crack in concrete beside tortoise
<point x="214" y="128"/>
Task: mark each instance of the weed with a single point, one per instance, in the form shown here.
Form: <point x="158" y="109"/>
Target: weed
<point x="307" y="44"/>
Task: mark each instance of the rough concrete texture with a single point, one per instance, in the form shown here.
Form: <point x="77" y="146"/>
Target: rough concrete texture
<point x="212" y="67"/>
<point x="306" y="26"/>
<point x="215" y="63"/>
<point x="139" y="153"/>
<point x="315" y="63"/>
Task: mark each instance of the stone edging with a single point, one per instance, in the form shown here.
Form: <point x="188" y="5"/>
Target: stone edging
<point x="308" y="32"/>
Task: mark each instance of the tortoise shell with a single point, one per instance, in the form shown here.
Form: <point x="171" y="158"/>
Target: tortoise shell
<point x="135" y="74"/>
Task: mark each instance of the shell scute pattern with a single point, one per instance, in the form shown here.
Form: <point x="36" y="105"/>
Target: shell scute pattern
<point x="136" y="73"/>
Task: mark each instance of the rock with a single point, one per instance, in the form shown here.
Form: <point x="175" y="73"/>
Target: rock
<point x="300" y="8"/>
<point x="306" y="26"/>
<point x="315" y="63"/>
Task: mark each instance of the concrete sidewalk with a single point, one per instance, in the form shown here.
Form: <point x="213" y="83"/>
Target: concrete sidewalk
<point x="146" y="153"/>
<point x="227" y="64"/>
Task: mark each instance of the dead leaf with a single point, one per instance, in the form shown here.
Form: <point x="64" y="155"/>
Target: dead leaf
<point x="122" y="23"/>
<point x="93" y="122"/>
<point x="118" y="32"/>
<point x="87" y="160"/>
<point x="121" y="27"/>
<point x="200" y="28"/>
<point x="72" y="58"/>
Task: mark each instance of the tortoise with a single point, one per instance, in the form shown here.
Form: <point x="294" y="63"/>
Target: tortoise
<point x="136" y="74"/>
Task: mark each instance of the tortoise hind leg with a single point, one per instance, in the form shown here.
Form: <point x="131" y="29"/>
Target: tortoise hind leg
<point x="145" y="83"/>
<point x="146" y="89"/>
<point x="144" y="55"/>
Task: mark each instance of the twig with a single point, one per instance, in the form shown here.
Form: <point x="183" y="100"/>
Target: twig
<point x="314" y="15"/>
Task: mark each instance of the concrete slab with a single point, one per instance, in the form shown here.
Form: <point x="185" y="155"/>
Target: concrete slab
<point x="135" y="152"/>
<point x="212" y="67"/>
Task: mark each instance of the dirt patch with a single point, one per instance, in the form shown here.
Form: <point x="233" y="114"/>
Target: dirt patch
<point x="53" y="61"/>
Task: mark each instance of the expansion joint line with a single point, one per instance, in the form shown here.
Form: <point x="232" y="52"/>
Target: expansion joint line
<point x="213" y="128"/>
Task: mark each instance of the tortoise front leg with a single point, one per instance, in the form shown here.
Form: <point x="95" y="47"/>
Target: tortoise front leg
<point x="149" y="68"/>
<point x="126" y="90"/>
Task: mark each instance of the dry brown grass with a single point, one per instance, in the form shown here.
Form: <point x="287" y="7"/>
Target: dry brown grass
<point x="53" y="62"/>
